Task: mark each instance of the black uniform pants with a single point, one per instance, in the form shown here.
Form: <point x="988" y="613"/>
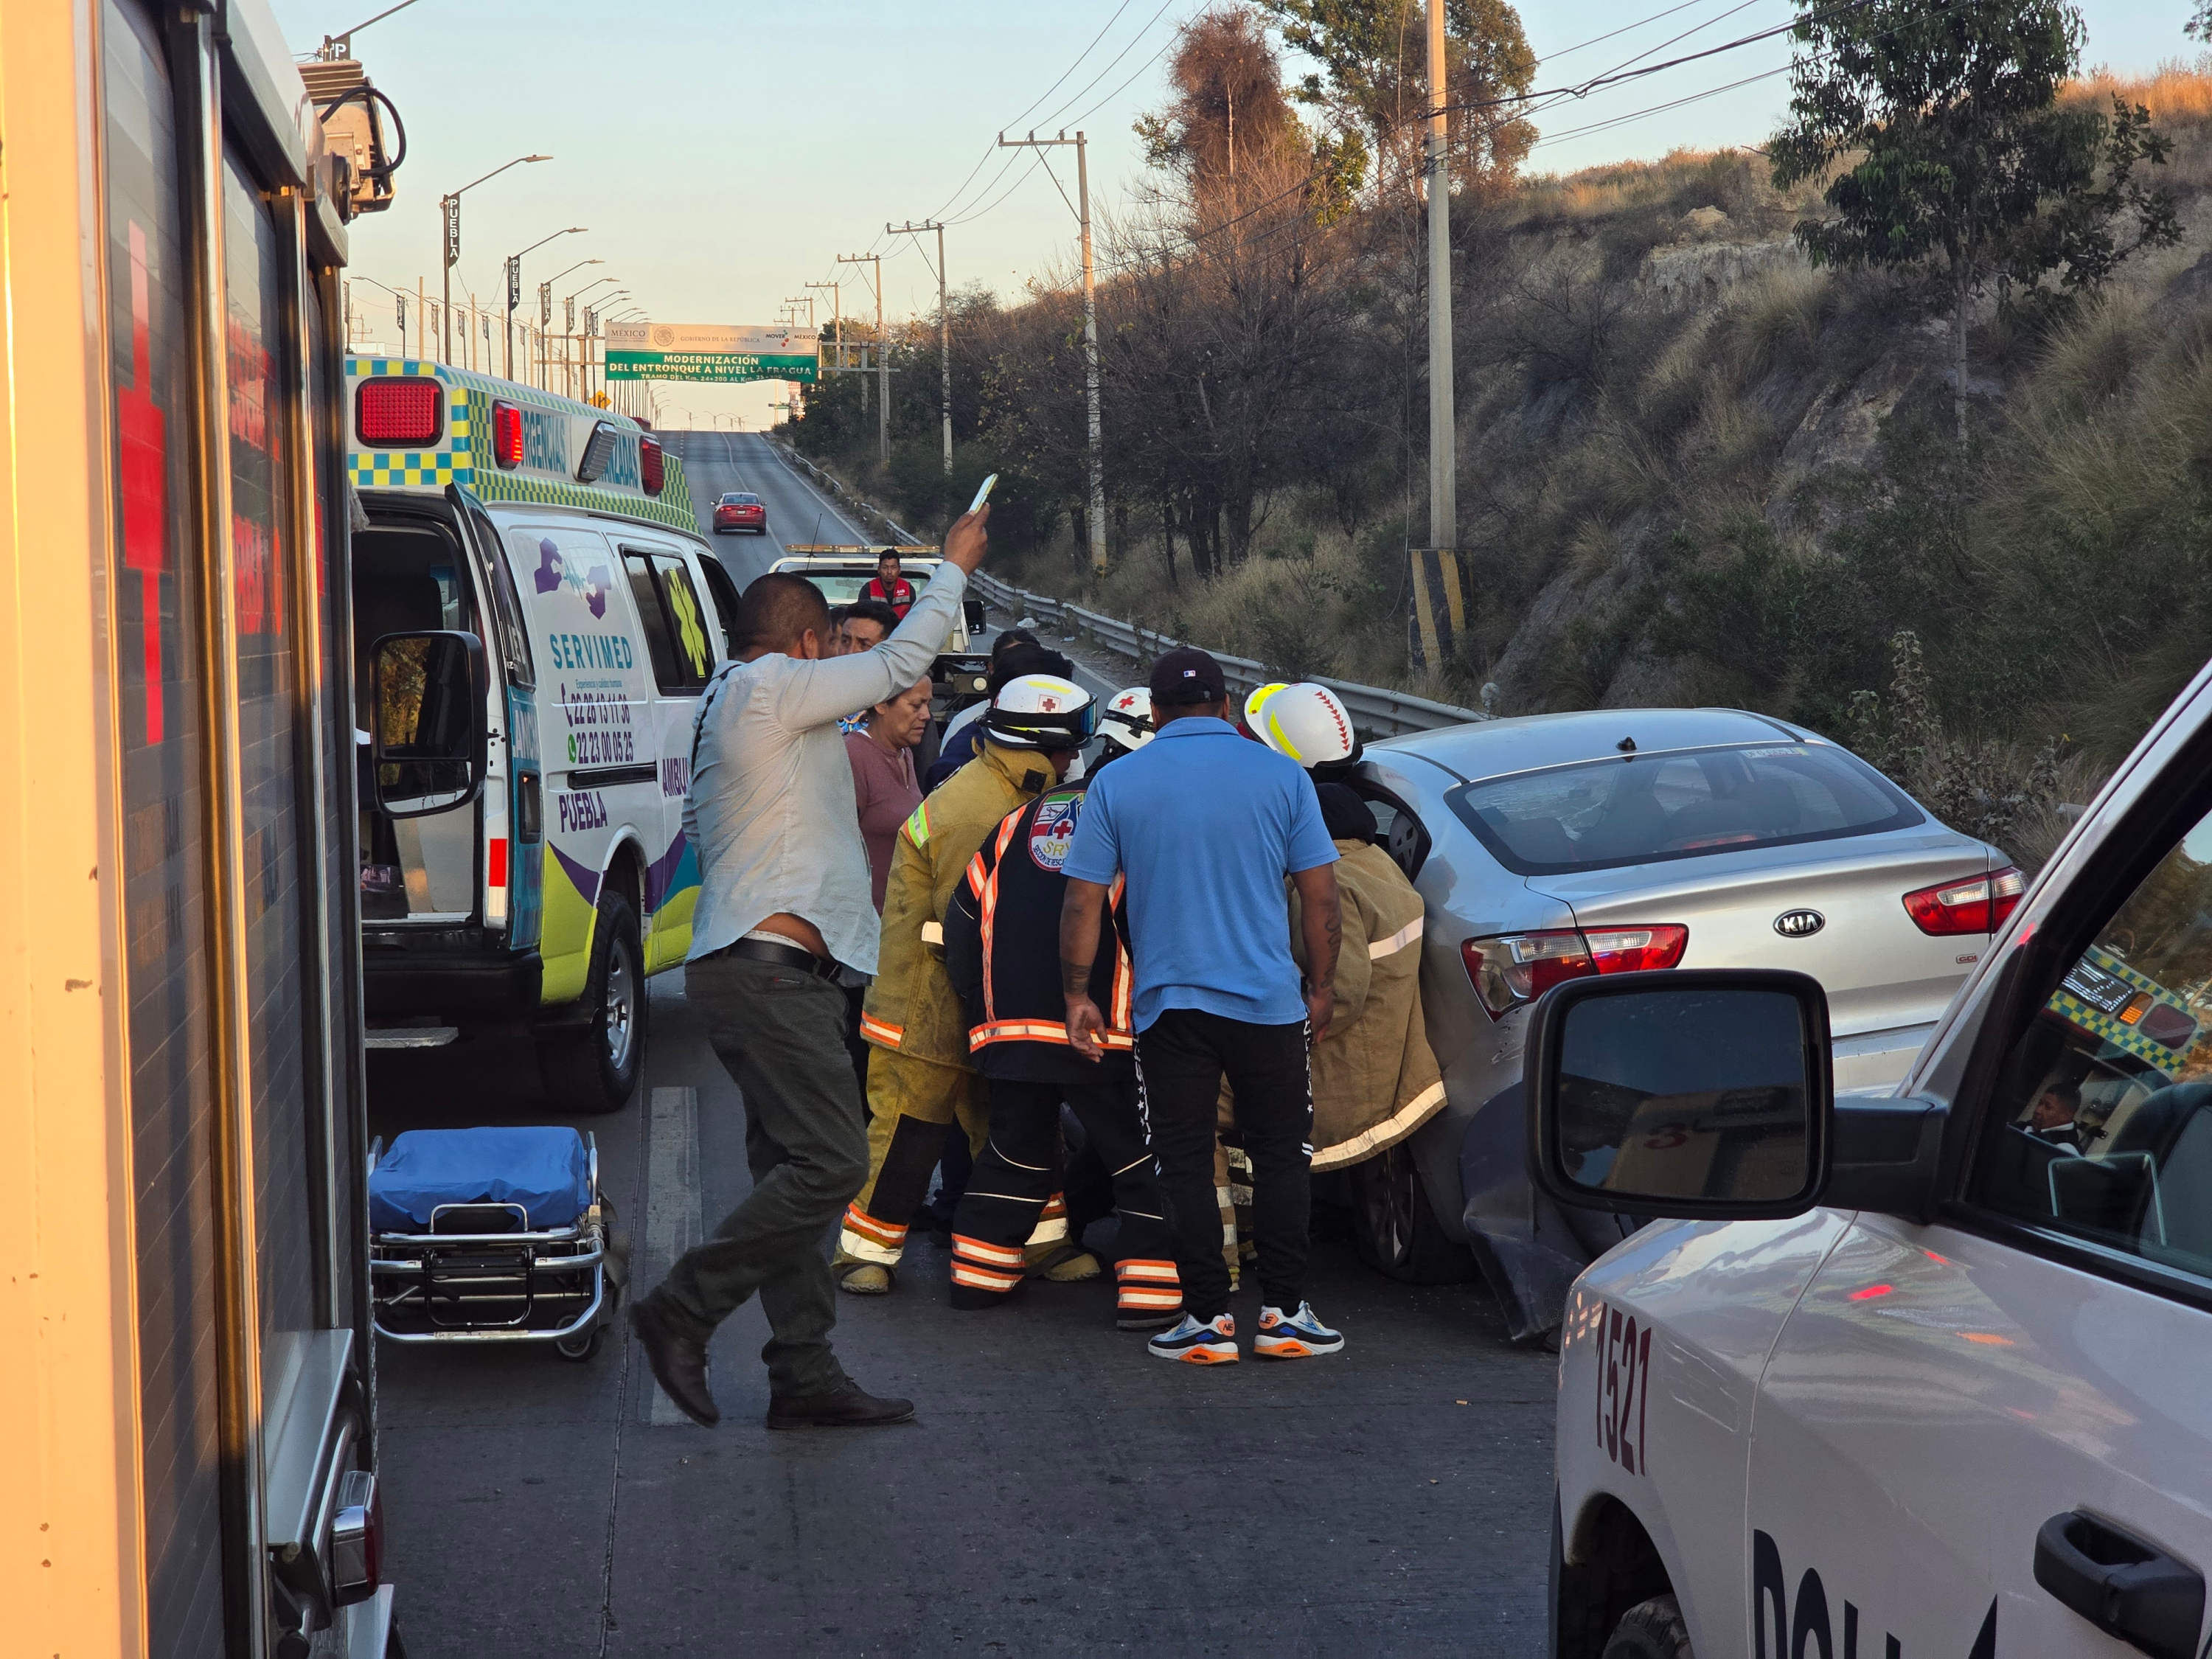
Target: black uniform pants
<point x="1181" y="1060"/>
<point x="1014" y="1177"/>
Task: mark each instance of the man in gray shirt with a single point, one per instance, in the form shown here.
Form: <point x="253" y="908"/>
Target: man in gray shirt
<point x="784" y="914"/>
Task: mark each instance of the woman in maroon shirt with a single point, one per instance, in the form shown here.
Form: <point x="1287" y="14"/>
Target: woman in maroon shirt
<point x="884" y="783"/>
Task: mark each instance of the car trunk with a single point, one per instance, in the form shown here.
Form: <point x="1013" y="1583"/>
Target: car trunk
<point x="1885" y="978"/>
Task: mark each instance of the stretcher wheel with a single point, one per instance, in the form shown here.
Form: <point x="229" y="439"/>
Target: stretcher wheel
<point x="579" y="1348"/>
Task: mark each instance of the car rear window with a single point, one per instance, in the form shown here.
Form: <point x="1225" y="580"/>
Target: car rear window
<point x="1684" y="804"/>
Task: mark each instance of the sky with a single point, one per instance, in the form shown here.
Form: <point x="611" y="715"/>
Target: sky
<point x="721" y="156"/>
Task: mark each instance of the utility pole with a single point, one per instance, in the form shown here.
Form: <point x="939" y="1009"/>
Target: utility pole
<point x="1095" y="519"/>
<point x="1444" y="494"/>
<point x="883" y="357"/>
<point x="944" y="324"/>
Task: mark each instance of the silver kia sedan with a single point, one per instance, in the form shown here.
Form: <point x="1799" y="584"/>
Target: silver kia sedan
<point x="1611" y="840"/>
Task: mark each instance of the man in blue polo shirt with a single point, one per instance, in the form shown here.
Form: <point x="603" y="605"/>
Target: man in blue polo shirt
<point x="1205" y="825"/>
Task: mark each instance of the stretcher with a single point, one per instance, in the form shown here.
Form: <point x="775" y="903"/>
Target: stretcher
<point x="491" y="1234"/>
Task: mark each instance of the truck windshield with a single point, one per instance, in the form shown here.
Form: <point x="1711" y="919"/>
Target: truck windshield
<point x="1646" y="809"/>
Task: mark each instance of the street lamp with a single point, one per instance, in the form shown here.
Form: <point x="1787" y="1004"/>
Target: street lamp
<point x="568" y="323"/>
<point x="514" y="287"/>
<point x="451" y="206"/>
<point x="592" y="314"/>
<point x="545" y="321"/>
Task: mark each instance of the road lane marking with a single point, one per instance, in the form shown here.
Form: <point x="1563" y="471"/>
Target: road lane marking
<point x="672" y="1222"/>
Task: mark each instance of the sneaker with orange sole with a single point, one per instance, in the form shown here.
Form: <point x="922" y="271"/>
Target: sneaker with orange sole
<point x="1293" y="1336"/>
<point x="1213" y="1343"/>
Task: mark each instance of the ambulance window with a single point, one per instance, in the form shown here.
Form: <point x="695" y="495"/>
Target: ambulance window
<point x="2101" y="1126"/>
<point x="673" y="634"/>
<point x="723" y="591"/>
<point x="513" y="642"/>
<point x="695" y="649"/>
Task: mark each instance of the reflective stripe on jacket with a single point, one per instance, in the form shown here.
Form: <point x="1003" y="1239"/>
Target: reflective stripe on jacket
<point x="1375" y="1079"/>
<point x="1002" y="948"/>
<point x="912" y="1006"/>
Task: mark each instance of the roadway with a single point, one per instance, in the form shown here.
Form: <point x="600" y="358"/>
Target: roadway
<point x="1062" y="1491"/>
<point x="717" y="461"/>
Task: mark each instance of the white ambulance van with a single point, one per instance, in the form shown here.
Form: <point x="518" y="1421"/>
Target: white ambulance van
<point x="534" y="599"/>
<point x="1920" y="1377"/>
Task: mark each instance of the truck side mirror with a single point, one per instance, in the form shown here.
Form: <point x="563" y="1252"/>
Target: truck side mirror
<point x="429" y="722"/>
<point x="1700" y="1092"/>
<point x="972" y="611"/>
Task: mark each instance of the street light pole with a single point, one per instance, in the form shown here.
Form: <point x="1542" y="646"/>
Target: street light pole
<point x="944" y="325"/>
<point x="451" y="204"/>
<point x="569" y="365"/>
<point x="1097" y="517"/>
<point x="514" y="288"/>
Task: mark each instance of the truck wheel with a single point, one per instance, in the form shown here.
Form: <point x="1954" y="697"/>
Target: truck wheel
<point x="1395" y="1230"/>
<point x="1650" y="1630"/>
<point x="594" y="1067"/>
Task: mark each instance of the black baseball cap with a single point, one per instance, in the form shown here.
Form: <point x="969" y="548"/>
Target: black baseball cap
<point x="1186" y="675"/>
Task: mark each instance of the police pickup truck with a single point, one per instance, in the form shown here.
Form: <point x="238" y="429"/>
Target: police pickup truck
<point x="841" y="571"/>
<point x="1921" y="1377"/>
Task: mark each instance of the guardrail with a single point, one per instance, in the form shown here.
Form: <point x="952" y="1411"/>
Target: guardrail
<point x="1375" y="709"/>
<point x="859" y="504"/>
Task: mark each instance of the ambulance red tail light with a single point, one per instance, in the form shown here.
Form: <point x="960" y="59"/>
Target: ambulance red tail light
<point x="398" y="411"/>
<point x="1513" y="969"/>
<point x="1976" y="906"/>
<point x="506" y="435"/>
<point x="652" y="468"/>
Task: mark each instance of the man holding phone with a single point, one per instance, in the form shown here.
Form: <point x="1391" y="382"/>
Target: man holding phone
<point x="785" y="917"/>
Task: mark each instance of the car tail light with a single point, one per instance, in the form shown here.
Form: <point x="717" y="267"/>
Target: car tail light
<point x="398" y="411"/>
<point x="652" y="470"/>
<point x="1976" y="906"/>
<point x="506" y="435"/>
<point x="1513" y="969"/>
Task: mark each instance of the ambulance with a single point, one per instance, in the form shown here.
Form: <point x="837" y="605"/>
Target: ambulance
<point x="535" y="615"/>
<point x="1917" y="1378"/>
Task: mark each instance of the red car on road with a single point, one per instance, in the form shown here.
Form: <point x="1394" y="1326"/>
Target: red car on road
<point x="738" y="509"/>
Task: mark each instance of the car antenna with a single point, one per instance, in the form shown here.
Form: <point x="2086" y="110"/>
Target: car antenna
<point x="1626" y="745"/>
<point x="815" y="534"/>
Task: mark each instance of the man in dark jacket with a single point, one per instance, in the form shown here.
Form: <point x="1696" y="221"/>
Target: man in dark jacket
<point x="1002" y="954"/>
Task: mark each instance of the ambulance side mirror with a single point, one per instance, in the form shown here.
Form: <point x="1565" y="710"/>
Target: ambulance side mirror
<point x="1696" y="1092"/>
<point x="428" y="727"/>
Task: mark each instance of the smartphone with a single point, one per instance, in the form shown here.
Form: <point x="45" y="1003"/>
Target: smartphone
<point x="984" y="494"/>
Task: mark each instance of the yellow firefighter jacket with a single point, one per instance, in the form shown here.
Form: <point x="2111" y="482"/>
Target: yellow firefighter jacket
<point x="1375" y="1079"/>
<point x="912" y="1006"/>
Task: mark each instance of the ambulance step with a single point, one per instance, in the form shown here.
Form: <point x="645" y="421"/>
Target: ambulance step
<point x="412" y="1036"/>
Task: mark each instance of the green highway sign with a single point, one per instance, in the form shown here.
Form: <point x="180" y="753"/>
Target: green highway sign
<point x="710" y="351"/>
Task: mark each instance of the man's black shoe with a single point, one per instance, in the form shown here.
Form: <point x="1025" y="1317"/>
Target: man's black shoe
<point x="848" y="1407"/>
<point x="678" y="1362"/>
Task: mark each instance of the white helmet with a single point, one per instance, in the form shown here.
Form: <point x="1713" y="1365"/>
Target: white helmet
<point x="1258" y="700"/>
<point x="1041" y="711"/>
<point x="1126" y="724"/>
<point x="1307" y="722"/>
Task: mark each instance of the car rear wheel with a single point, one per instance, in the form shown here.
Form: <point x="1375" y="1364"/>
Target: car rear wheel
<point x="1396" y="1231"/>
<point x="1650" y="1630"/>
<point x="594" y="1067"/>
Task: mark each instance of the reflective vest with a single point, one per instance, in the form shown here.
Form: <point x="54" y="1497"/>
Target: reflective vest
<point x="1002" y="950"/>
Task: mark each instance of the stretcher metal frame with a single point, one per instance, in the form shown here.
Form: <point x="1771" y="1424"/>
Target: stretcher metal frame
<point x="533" y="1280"/>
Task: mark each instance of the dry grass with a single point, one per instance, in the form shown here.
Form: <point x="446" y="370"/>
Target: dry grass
<point x="2176" y="94"/>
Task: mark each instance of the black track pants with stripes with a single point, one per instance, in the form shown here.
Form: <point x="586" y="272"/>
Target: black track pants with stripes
<point x="1181" y="1058"/>
<point x="1014" y="1177"/>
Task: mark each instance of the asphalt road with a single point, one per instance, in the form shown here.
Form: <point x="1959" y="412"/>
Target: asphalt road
<point x="1062" y="1491"/>
<point x="717" y="461"/>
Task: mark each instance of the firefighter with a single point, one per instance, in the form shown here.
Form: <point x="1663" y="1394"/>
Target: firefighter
<point x="920" y="1077"/>
<point x="1375" y="1079"/>
<point x="1002" y="953"/>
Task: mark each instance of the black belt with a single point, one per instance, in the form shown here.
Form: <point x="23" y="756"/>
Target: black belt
<point x="783" y="956"/>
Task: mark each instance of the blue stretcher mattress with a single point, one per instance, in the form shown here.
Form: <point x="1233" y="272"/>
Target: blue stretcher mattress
<point x="543" y="1170"/>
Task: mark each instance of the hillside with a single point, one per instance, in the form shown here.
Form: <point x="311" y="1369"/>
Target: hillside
<point x="1694" y="470"/>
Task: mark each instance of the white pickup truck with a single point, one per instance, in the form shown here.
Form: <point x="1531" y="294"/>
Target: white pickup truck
<point x="1920" y="1377"/>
